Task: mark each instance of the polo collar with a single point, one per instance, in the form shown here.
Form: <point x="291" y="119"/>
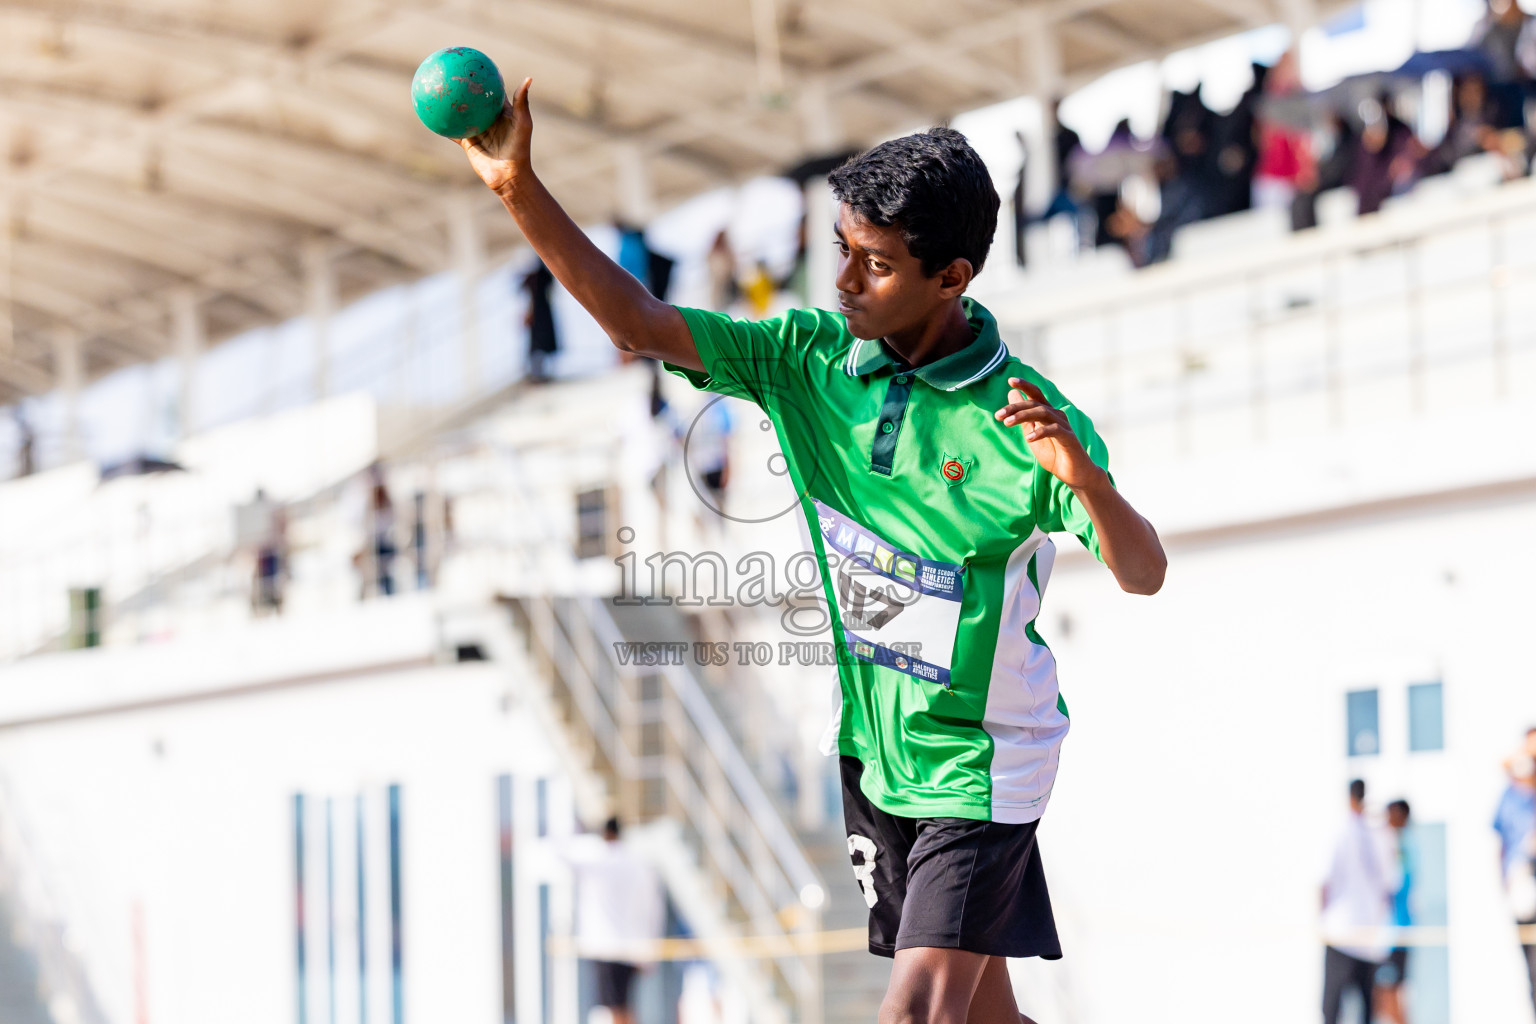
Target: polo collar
<point x="984" y="354"/>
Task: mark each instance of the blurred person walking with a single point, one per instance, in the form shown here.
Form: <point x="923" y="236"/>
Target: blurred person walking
<point x="709" y="452"/>
<point x="543" y="341"/>
<point x="1390" y="978"/>
<point x="620" y="914"/>
<point x="381" y="532"/>
<point x="26" y="443"/>
<point x="722" y="273"/>
<point x="272" y="564"/>
<point x="1357" y="898"/>
<point x="1515" y="822"/>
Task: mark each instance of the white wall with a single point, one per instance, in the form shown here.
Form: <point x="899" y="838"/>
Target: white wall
<point x="181" y="817"/>
<point x="1206" y="767"/>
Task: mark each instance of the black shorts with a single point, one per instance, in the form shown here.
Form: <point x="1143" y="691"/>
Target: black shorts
<point x="613" y="983"/>
<point x="953" y="883"/>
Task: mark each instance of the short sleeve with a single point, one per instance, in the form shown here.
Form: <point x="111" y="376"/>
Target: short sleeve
<point x="753" y="359"/>
<point x="1057" y="509"/>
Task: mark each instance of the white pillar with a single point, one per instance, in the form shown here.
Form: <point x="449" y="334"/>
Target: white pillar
<point x="765" y="33"/>
<point x="1040" y="55"/>
<point x="820" y="244"/>
<point x="1298" y="15"/>
<point x="823" y="135"/>
<point x="466" y="239"/>
<point x="187" y="338"/>
<point x="818" y="116"/>
<point x="319" y="305"/>
<point x="68" y="373"/>
<point x="636" y="201"/>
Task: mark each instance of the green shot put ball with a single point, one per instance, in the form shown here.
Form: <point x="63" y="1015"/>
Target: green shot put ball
<point x="457" y="92"/>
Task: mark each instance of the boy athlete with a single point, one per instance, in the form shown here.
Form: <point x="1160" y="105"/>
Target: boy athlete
<point x="930" y="515"/>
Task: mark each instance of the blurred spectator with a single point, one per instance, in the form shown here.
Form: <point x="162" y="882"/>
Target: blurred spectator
<point x="1505" y="39"/>
<point x="722" y="273"/>
<point x="419" y="546"/>
<point x="1235" y="149"/>
<point x="1099" y="177"/>
<point x="1186" y="172"/>
<point x="1338" y="146"/>
<point x="26" y="443"/>
<point x="1390" y="978"/>
<point x="381" y="531"/>
<point x="759" y="291"/>
<point x="634" y="254"/>
<point x="1385" y="155"/>
<point x="1515" y="822"/>
<point x="1020" y="204"/>
<point x="263" y="526"/>
<point x="543" y="342"/>
<point x="708" y="453"/>
<point x="620" y="914"/>
<point x="1064" y="143"/>
<point x="271" y="561"/>
<point x="795" y="282"/>
<point x="1470" y="130"/>
<point x="1357" y="896"/>
<point x="1286" y="167"/>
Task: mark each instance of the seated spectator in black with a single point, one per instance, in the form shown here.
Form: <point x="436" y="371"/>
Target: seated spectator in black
<point x="1186" y="173"/>
<point x="1470" y="131"/>
<point x="1385" y="155"/>
<point x="1235" y="150"/>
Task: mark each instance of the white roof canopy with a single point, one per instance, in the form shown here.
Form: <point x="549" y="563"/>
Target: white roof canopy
<point x="170" y="161"/>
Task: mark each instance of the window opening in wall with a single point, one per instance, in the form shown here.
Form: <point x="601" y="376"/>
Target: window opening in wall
<point x="1361" y="717"/>
<point x="1426" y="725"/>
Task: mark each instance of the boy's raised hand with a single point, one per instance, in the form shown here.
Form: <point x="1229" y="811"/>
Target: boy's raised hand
<point x="1051" y="439"/>
<point x="502" y="152"/>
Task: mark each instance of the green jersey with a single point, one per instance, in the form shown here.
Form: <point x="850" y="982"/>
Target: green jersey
<point x="930" y="520"/>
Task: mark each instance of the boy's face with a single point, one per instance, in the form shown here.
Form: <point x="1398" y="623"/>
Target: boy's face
<point x="881" y="287"/>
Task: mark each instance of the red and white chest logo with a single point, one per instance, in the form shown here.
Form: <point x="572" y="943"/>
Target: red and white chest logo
<point x="954" y="468"/>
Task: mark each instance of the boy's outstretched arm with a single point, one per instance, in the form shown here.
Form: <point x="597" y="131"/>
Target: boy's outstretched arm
<point x="635" y="320"/>
<point x="1127" y="541"/>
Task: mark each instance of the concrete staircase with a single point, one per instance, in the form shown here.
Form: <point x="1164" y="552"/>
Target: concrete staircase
<point x="853" y="981"/>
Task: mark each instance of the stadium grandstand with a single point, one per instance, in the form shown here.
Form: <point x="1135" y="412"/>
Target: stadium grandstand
<point x="351" y="579"/>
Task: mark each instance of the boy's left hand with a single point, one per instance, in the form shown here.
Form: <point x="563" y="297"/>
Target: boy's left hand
<point x="1051" y="439"/>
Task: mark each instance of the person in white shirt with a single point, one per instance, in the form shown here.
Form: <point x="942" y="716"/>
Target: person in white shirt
<point x="1357" y="901"/>
<point x="620" y="915"/>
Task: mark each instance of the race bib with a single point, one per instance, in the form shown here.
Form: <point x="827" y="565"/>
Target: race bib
<point x="897" y="610"/>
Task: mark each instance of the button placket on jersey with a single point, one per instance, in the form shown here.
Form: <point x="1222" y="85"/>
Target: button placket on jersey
<point x="882" y="454"/>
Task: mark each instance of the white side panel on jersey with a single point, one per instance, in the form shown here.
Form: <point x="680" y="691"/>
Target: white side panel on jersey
<point x="1021" y="716"/>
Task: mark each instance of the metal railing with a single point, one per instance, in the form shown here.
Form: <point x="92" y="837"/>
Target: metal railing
<point x="653" y="732"/>
<point x="1334" y="317"/>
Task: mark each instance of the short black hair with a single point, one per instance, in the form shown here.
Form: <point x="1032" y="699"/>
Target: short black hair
<point x="1357" y="789"/>
<point x="933" y="187"/>
<point x="1400" y="805"/>
<point x="611" y="828"/>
